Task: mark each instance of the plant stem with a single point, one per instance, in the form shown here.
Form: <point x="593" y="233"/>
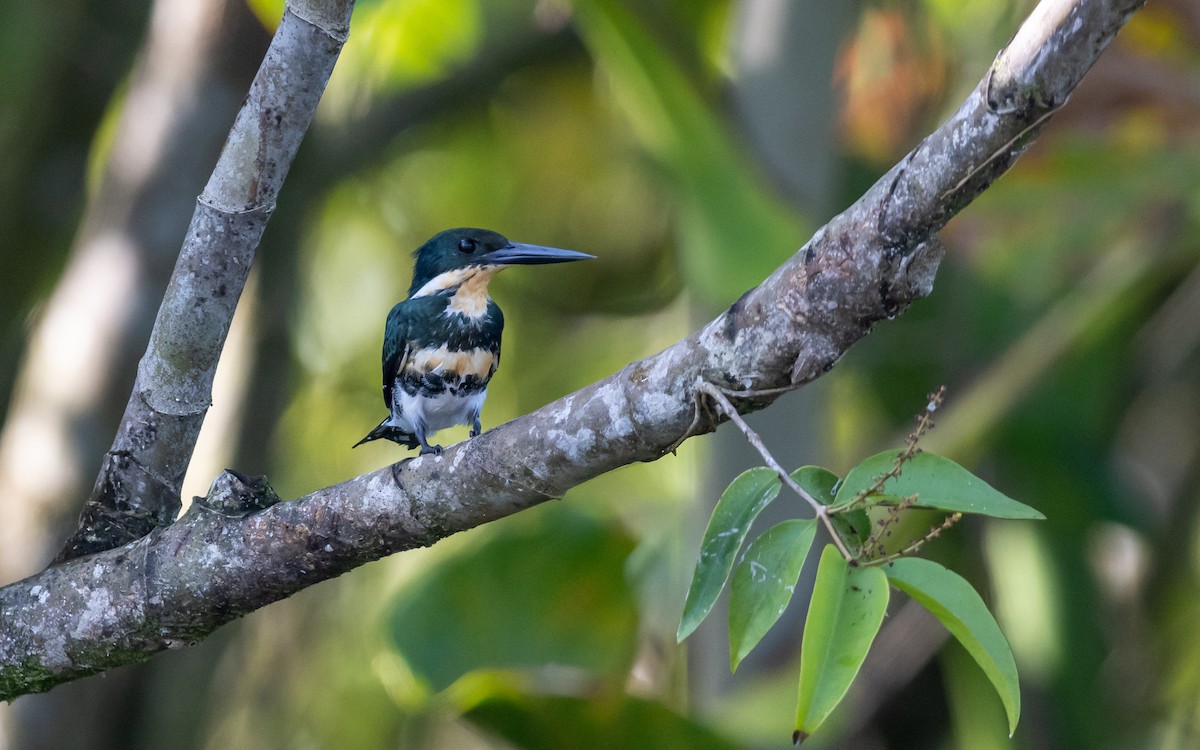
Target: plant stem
<point x="915" y="546"/>
<point x="822" y="511"/>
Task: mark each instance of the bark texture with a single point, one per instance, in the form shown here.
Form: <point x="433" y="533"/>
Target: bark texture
<point x="192" y="71"/>
<point x="139" y="484"/>
<point x="190" y="78"/>
<point x="240" y="550"/>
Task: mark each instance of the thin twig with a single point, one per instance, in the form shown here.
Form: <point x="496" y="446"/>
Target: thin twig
<point x="761" y="392"/>
<point x="1004" y="150"/>
<point x="874" y="543"/>
<point x="753" y="438"/>
<point x="934" y="533"/>
<point x="697" y="408"/>
<point x="911" y="448"/>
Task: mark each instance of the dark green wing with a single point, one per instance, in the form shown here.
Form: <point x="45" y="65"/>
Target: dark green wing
<point x="497" y="318"/>
<point x="395" y="347"/>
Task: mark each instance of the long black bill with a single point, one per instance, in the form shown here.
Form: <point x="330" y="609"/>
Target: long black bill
<point x="519" y="254"/>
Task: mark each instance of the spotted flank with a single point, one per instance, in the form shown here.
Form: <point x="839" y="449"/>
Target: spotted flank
<point x="432" y="371"/>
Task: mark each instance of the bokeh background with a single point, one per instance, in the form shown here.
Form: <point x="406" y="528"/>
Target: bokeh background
<point x="692" y="145"/>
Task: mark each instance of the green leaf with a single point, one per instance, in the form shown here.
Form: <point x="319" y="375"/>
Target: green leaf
<point x="953" y="601"/>
<point x="847" y="608"/>
<point x="484" y="609"/>
<point x="742" y="501"/>
<point x="852" y="525"/>
<point x="763" y="583"/>
<point x="822" y="484"/>
<point x="938" y="483"/>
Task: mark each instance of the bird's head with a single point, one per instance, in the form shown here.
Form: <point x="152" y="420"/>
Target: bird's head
<point x="463" y="249"/>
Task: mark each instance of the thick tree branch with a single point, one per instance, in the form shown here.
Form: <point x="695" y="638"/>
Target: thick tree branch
<point x="226" y="558"/>
<point x="190" y="78"/>
<point x="139" y="484"/>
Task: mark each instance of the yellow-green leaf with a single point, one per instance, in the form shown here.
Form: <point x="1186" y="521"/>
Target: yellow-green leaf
<point x="847" y="608"/>
<point x="764" y="581"/>
<point x="821" y="483"/>
<point x="742" y="501"/>
<point x="958" y="606"/>
<point x="938" y="483"/>
<point x="853" y="526"/>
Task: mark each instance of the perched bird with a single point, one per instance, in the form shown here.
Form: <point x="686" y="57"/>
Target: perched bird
<point x="441" y="346"/>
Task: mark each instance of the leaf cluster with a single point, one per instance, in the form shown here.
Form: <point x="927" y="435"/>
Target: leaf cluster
<point x="851" y="592"/>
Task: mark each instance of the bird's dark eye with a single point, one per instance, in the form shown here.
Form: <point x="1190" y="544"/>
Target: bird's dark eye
<point x="466" y="245"/>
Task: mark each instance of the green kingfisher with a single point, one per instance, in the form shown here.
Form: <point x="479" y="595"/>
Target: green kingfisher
<point x="441" y="346"/>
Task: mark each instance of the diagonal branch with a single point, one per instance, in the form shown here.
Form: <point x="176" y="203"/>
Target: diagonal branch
<point x="230" y="555"/>
<point x="139" y="484"/>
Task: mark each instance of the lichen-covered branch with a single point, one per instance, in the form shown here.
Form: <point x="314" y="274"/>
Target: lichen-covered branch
<point x="227" y="557"/>
<point x="139" y="483"/>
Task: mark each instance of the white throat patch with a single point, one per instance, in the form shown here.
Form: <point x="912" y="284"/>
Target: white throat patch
<point x="470" y="284"/>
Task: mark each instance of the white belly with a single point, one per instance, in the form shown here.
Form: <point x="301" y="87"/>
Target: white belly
<point x="437" y="412"/>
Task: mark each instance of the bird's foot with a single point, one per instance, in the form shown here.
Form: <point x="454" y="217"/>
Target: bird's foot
<point x="434" y="449"/>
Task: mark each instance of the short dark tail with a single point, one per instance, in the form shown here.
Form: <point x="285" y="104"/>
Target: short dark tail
<point x="389" y="432"/>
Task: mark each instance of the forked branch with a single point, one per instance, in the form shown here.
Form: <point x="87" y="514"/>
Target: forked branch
<point x="180" y="582"/>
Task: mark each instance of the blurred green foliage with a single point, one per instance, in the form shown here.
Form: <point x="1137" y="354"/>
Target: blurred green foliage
<point x="472" y="612"/>
<point x="1063" y="321"/>
<point x="555" y="722"/>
